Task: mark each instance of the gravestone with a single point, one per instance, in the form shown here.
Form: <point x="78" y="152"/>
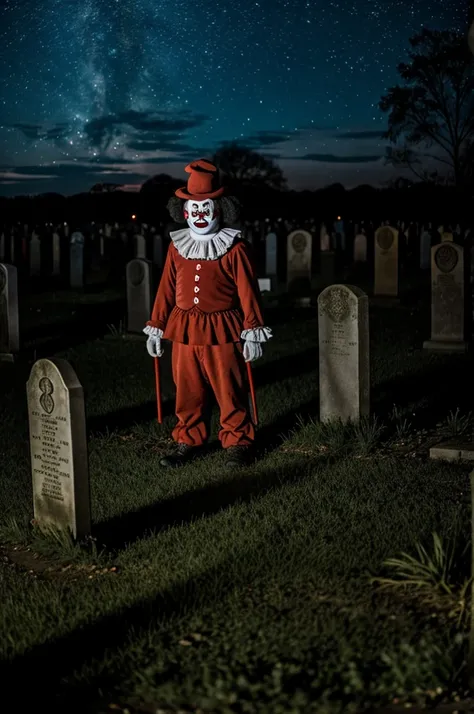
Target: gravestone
<point x="425" y="250"/>
<point x="76" y="260"/>
<point x="9" y="326"/>
<point x="324" y="239"/>
<point x="299" y="262"/>
<point x="139" y="298"/>
<point x="360" y="248"/>
<point x="447" y="299"/>
<point x="58" y="447"/>
<point x="340" y="234"/>
<point x="344" y="371"/>
<point x="264" y="285"/>
<point x="56" y="255"/>
<point x="140" y="247"/>
<point x="271" y="255"/>
<point x="35" y="256"/>
<point x="386" y="262"/>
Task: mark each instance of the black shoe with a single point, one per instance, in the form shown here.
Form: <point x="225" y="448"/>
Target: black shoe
<point x="182" y="454"/>
<point x="237" y="456"/>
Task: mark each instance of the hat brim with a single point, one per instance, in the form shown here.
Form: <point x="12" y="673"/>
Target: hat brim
<point x="184" y="193"/>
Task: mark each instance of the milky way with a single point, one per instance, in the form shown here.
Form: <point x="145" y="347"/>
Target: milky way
<point x="117" y="90"/>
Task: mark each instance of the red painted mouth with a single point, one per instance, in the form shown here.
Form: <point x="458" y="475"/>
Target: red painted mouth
<point x="200" y="224"/>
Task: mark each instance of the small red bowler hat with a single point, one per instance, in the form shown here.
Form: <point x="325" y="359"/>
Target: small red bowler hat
<point x="203" y="182"/>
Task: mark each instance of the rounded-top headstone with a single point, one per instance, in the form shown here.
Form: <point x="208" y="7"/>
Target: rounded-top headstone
<point x="385" y="238"/>
<point x="344" y="378"/>
<point x="136" y="272"/>
<point x="58" y="447"/>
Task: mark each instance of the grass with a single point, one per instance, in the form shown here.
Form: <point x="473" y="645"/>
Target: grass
<point x="265" y="590"/>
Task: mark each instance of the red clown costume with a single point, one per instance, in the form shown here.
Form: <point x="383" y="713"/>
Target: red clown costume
<point x="208" y="305"/>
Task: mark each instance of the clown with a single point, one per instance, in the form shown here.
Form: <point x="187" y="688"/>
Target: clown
<point x="208" y="305"/>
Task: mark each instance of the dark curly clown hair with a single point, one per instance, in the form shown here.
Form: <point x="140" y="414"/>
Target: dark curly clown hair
<point x="229" y="209"/>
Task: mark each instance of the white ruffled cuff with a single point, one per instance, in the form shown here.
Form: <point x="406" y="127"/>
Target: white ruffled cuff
<point x="153" y="331"/>
<point x="258" y="334"/>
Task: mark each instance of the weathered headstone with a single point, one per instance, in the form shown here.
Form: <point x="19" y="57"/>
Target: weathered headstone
<point x="9" y="326"/>
<point x="271" y="255"/>
<point x="344" y="370"/>
<point x="299" y="262"/>
<point x="425" y="250"/>
<point x="140" y="247"/>
<point x="76" y="260"/>
<point x="58" y="447"/>
<point x="324" y="239"/>
<point x="265" y="285"/>
<point x="35" y="255"/>
<point x="360" y="248"/>
<point x="139" y="297"/>
<point x="447" y="299"/>
<point x="386" y="262"/>
<point x="56" y="254"/>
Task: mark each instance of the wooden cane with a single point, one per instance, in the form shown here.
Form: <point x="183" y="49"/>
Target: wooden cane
<point x="158" y="390"/>
<point x="252" y="394"/>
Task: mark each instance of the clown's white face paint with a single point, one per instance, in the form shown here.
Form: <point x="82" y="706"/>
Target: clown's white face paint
<point x="202" y="216"/>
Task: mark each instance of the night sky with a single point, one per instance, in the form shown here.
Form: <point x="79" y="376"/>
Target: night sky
<point x="116" y="91"/>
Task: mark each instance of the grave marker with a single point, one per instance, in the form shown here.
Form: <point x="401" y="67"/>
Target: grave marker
<point x="9" y="326"/>
<point x="386" y="262"/>
<point x="299" y="262"/>
<point x="344" y="373"/>
<point x="58" y="446"/>
<point x="139" y="297"/>
<point x="447" y="299"/>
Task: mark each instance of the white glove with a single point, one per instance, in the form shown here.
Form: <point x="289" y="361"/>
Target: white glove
<point x="252" y="350"/>
<point x="153" y="343"/>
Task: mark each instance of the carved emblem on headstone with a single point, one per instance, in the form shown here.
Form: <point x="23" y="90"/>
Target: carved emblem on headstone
<point x="46" y="400"/>
<point x="299" y="242"/>
<point x="136" y="273"/>
<point x="446" y="258"/>
<point x="335" y="304"/>
<point x="385" y="238"/>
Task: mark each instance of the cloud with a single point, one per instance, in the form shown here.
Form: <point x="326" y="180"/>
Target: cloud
<point x="360" y="135"/>
<point x="152" y="128"/>
<point x="333" y="159"/>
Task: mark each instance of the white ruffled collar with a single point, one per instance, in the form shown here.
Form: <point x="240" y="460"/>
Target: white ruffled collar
<point x="208" y="247"/>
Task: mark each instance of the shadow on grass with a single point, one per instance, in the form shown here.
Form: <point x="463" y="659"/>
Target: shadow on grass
<point x="122" y="530"/>
<point x="268" y="373"/>
<point x="46" y="667"/>
<point x="440" y="386"/>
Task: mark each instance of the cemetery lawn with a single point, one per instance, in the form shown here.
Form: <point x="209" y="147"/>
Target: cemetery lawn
<point x="207" y="591"/>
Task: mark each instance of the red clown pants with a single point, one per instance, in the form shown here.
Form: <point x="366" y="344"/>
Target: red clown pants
<point x="198" y="368"/>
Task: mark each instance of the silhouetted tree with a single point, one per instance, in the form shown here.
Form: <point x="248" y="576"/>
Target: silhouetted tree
<point x="160" y="183"/>
<point x="246" y="168"/>
<point x="433" y="107"/>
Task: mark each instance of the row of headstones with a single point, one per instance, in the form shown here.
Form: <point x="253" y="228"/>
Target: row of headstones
<point x="76" y="254"/>
<point x="331" y="238"/>
<point x="298" y="251"/>
<point x="447" y="271"/>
